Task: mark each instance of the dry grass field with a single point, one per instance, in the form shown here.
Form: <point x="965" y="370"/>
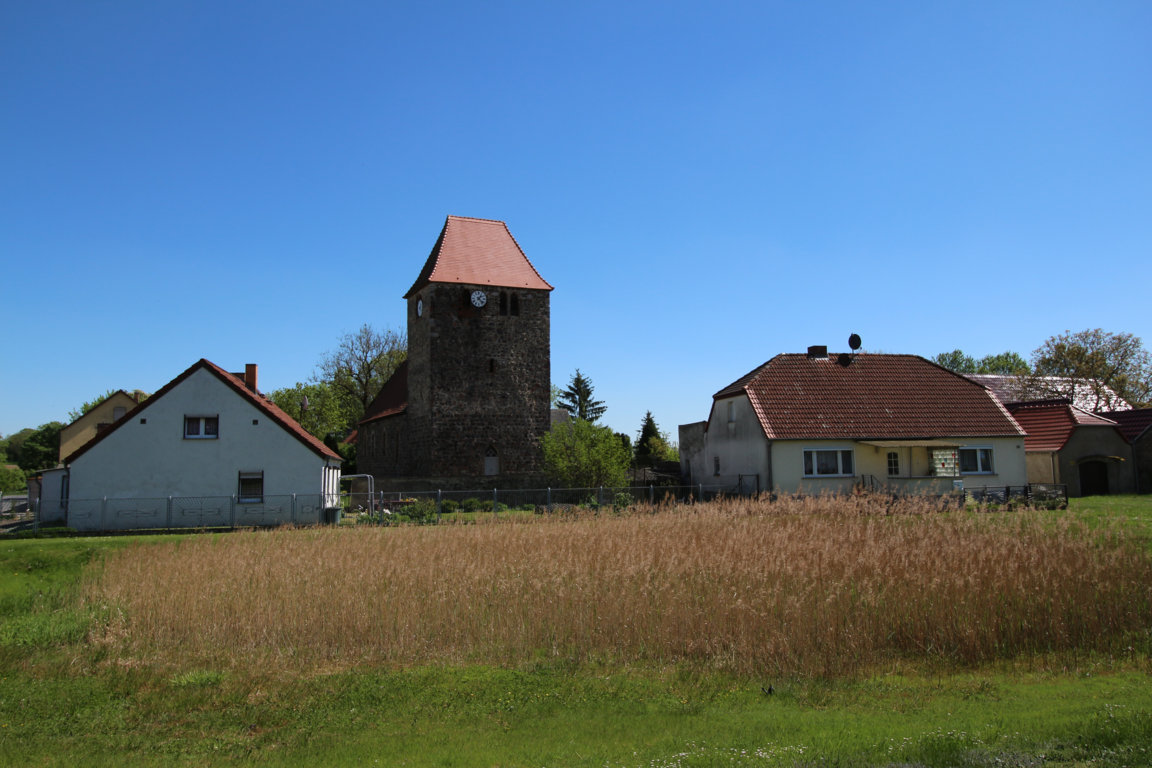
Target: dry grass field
<point x="796" y="587"/>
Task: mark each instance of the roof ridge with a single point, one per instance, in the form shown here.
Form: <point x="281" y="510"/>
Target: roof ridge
<point x="284" y="421"/>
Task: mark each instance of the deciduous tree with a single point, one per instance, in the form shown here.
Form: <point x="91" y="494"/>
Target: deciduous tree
<point x="360" y="365"/>
<point x="326" y="412"/>
<point x="580" y="454"/>
<point x="12" y="480"/>
<point x="1005" y="363"/>
<point x="1093" y="364"/>
<point x="33" y="449"/>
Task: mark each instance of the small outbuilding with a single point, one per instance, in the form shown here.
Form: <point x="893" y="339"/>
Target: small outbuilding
<point x="1136" y="426"/>
<point x="1065" y="444"/>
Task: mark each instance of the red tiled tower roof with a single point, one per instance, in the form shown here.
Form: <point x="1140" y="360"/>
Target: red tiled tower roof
<point x="236" y="383"/>
<point x="1049" y="423"/>
<point x="478" y="252"/>
<point x="868" y="396"/>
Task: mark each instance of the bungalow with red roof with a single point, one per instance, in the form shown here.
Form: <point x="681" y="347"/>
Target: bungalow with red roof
<point x="1136" y="426"/>
<point x="206" y="450"/>
<point x="816" y="422"/>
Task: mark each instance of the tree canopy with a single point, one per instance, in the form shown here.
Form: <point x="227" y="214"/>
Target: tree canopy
<point x="1005" y="363"/>
<point x="1093" y="364"/>
<point x="652" y="445"/>
<point x="34" y="449"/>
<point x="580" y="454"/>
<point x="578" y="401"/>
<point x="359" y="366"/>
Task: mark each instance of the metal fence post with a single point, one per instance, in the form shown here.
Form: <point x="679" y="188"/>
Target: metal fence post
<point x="439" y="503"/>
<point x="651" y="494"/>
<point x="599" y="498"/>
<point x="494" y="501"/>
<point x="232" y="510"/>
<point x="104" y="513"/>
<point x="549" y="498"/>
<point x="168" y="515"/>
<point x="293" y="512"/>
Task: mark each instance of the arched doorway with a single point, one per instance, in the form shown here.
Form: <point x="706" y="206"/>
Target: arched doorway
<point x="1093" y="478"/>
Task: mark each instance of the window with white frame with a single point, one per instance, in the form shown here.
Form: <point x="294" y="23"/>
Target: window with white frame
<point x="975" y="461"/>
<point x="201" y="427"/>
<point x="251" y="488"/>
<point x="821" y="462"/>
<point x="893" y="463"/>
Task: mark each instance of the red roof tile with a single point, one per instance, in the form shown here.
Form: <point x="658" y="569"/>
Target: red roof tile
<point x="1049" y="423"/>
<point x="478" y="252"/>
<point x="1132" y="423"/>
<point x="868" y="396"/>
<point x="236" y="383"/>
<point x="393" y="397"/>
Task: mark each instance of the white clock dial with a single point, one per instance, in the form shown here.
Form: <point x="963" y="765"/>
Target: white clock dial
<point x="479" y="298"/>
<point x="419" y="307"/>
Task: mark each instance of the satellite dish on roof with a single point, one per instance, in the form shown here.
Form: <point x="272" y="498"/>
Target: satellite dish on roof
<point x="854" y="341"/>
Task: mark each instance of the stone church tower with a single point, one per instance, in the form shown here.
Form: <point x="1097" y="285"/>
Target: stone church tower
<point x="469" y="406"/>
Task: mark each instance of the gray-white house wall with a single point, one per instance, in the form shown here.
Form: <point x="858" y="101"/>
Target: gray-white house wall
<point x="736" y="453"/>
<point x="151" y="457"/>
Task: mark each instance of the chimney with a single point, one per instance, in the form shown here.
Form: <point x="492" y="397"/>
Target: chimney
<point x="818" y="352"/>
<point x="250" y="376"/>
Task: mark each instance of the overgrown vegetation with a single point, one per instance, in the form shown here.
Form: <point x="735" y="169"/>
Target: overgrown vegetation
<point x="799" y="587"/>
<point x="83" y="682"/>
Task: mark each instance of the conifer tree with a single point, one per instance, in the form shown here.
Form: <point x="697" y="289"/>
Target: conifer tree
<point x="577" y="399"/>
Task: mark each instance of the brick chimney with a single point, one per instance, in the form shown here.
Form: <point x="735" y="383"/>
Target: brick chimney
<point x="818" y="352"/>
<point x="250" y="376"/>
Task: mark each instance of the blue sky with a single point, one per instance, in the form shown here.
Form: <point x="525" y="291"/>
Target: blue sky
<point x="706" y="184"/>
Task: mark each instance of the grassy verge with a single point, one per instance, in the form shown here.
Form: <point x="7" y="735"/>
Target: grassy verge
<point x="66" y="699"/>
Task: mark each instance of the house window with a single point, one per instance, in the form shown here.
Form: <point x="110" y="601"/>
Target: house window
<point x="251" y="489"/>
<point x="825" y="463"/>
<point x="201" y="427"/>
<point x="975" y="461"/>
<point x="893" y="463"/>
<point x="491" y="462"/>
<point x="118" y="413"/>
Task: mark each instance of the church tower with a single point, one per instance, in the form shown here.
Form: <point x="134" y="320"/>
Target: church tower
<point x="468" y="408"/>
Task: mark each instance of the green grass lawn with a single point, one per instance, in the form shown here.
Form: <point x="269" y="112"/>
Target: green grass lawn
<point x="65" y="701"/>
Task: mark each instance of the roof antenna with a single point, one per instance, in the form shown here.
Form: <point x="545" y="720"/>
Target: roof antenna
<point x="854" y="341"/>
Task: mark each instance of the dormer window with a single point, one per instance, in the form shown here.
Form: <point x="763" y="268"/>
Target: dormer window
<point x="201" y="427"/>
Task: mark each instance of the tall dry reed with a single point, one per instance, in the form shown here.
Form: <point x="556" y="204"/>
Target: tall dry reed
<point x="798" y="586"/>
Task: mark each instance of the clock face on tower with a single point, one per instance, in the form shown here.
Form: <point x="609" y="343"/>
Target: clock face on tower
<point x="479" y="298"/>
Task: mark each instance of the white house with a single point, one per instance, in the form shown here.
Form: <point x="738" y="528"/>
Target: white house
<point x="813" y="422"/>
<point x="207" y="449"/>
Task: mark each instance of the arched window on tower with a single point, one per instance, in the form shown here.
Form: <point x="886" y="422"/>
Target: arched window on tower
<point x="515" y="310"/>
<point x="491" y="461"/>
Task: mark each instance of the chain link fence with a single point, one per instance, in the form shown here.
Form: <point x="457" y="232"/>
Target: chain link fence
<point x="428" y="507"/>
<point x="182" y="512"/>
